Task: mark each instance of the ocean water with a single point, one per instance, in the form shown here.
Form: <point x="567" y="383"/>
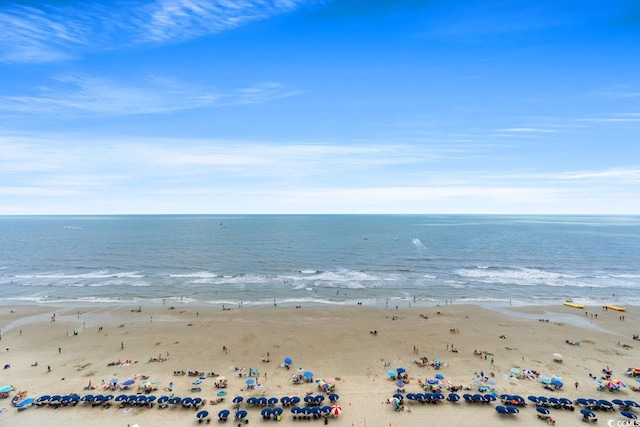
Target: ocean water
<point x="319" y="259"/>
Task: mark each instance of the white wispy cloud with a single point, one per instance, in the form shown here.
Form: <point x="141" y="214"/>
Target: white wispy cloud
<point x="57" y="31"/>
<point x="526" y="130"/>
<point x="86" y="95"/>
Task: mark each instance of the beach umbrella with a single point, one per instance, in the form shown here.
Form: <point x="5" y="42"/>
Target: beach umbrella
<point x="163" y="399"/>
<point x="43" y="398"/>
<point x="250" y="381"/>
<point x="399" y="384"/>
<point x="515" y="371"/>
<point x="196" y="401"/>
<point x="121" y="397"/>
<point x="142" y="399"/>
<point x="533" y="399"/>
<point x="587" y="413"/>
<point x="196" y="382"/>
<point x="631" y="403"/>
<point x="175" y="400"/>
<point x="487" y="397"/>
<point x="241" y="414"/>
<point x="266" y="412"/>
<point x="221" y="393"/>
<point x="331" y="381"/>
<point x="628" y="414"/>
<point x="439" y="376"/>
<point x="262" y="401"/>
<point x="224" y="414"/>
<point x="238" y="399"/>
<point x="287" y="361"/>
<point x="6" y="388"/>
<point x="336" y="410"/>
<point x="453" y="397"/>
<point x="308" y="375"/>
<point x="308" y="399"/>
<point x="128" y="382"/>
<point x="276" y="411"/>
<point x="556" y="382"/>
<point x="295" y="410"/>
<point x="285" y="400"/>
<point x="401" y="370"/>
<point x="391" y="373"/>
<point x="295" y="399"/>
<point x="542" y="410"/>
<point x="202" y="414"/>
<point x="333" y="397"/>
<point x="512" y="410"/>
<point x="87" y="398"/>
<point x="272" y="401"/>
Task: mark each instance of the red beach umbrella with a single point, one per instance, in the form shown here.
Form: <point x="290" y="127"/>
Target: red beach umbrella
<point x="336" y="410"/>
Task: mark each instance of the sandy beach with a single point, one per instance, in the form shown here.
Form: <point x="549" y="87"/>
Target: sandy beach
<point x="92" y="343"/>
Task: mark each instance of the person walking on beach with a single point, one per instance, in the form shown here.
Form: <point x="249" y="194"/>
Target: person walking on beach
<point x="577" y="385"/>
<point x="121" y="345"/>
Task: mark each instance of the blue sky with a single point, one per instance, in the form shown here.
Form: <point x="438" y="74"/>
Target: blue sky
<point x="311" y="106"/>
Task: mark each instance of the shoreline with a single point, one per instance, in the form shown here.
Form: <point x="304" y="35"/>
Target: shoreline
<point x="329" y="341"/>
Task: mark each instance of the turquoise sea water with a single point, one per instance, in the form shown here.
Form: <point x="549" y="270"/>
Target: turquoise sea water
<point x="320" y="259"/>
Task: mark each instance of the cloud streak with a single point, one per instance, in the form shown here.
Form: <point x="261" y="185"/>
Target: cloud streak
<point x="73" y="96"/>
<point x="58" y="31"/>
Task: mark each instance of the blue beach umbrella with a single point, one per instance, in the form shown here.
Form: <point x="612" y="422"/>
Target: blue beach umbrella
<point x="401" y="370"/>
<point x="43" y="398"/>
<point x="288" y="361"/>
<point x="224" y="414"/>
<point x="333" y="397"/>
<point x="262" y="401"/>
<point x="163" y="399"/>
<point x="121" y="397"/>
<point x="221" y="393"/>
<point x="628" y="414"/>
<point x="439" y="376"/>
<point x="285" y="400"/>
<point x="399" y="384"/>
<point x="241" y="414"/>
<point x="295" y="409"/>
<point x="149" y="398"/>
<point x="196" y="401"/>
<point x="238" y="399"/>
<point x="250" y="381"/>
<point x="277" y="411"/>
<point x="631" y="403"/>
<point x="556" y="382"/>
<point x="87" y="398"/>
<point x="391" y="373"/>
<point x="175" y="400"/>
<point x="6" y="388"/>
<point x="272" y="401"/>
<point x="308" y="374"/>
<point x="202" y="414"/>
<point x="295" y="400"/>
<point x="266" y="412"/>
<point x="542" y="410"/>
<point x="453" y="397"/>
<point x="128" y="382"/>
